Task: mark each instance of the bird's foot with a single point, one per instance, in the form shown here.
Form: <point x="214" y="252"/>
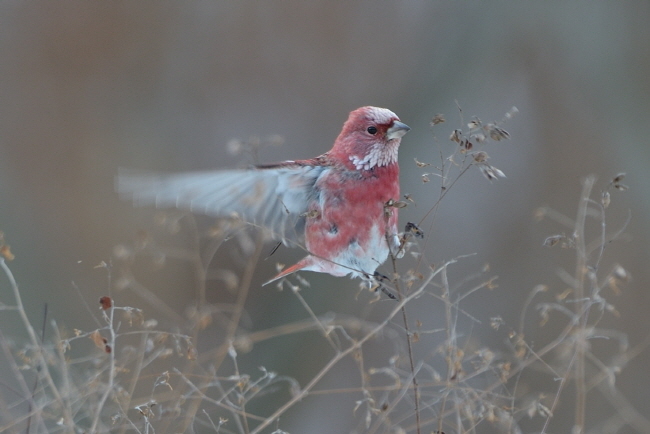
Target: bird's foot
<point x="379" y="280"/>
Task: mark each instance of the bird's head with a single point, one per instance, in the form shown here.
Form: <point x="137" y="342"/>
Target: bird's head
<point x="370" y="138"/>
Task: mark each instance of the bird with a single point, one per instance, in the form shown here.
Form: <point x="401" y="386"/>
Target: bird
<point x="338" y="206"/>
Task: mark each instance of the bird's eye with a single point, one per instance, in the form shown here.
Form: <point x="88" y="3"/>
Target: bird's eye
<point x="372" y="130"/>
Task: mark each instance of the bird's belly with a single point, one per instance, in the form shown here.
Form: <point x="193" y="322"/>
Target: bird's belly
<point x="364" y="259"/>
<point x="346" y="226"/>
<point x="355" y="249"/>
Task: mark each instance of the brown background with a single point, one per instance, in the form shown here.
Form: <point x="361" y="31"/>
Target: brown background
<point x="88" y="87"/>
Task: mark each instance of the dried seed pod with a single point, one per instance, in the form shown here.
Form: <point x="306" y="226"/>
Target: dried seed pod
<point x="105" y="302"/>
<point x="437" y="119"/>
<point x="605" y="199"/>
<point x="421" y="164"/>
<point x="496" y="133"/>
<point x="456" y="136"/>
<point x="412" y="228"/>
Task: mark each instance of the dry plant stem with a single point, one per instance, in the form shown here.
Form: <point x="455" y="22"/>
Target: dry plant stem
<point x="444" y="189"/>
<point x="217" y="403"/>
<point x="111" y="369"/>
<point x="451" y="343"/>
<point x="244" y="419"/>
<point x="29" y="421"/>
<point x="154" y="301"/>
<point x="243" y="294"/>
<point x="233" y="325"/>
<point x="626" y="412"/>
<point x="200" y="269"/>
<point x="380" y="421"/>
<point x="536" y="357"/>
<point x="321" y="326"/>
<point x="581" y="270"/>
<point x="342" y="354"/>
<point x="68" y="383"/>
<point x="298" y="327"/>
<point x="409" y="343"/>
<point x="581" y="315"/>
<point x="68" y="424"/>
<point x="207" y="258"/>
<point x="443" y="192"/>
<point x="36" y="411"/>
<point x="136" y="375"/>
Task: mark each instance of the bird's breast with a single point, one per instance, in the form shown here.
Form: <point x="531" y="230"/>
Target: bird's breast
<point x="349" y="219"/>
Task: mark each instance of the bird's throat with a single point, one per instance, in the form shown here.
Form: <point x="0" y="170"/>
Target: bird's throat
<point x="379" y="155"/>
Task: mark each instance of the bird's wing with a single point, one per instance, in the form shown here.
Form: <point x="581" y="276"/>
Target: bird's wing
<point x="274" y="197"/>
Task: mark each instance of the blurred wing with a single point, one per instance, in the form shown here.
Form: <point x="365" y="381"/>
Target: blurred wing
<point x="275" y="198"/>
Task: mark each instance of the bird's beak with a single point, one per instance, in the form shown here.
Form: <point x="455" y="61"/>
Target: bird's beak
<point x="397" y="130"/>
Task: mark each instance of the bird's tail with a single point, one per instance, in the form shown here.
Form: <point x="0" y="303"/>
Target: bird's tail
<point x="301" y="265"/>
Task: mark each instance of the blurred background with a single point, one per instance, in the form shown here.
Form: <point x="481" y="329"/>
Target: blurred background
<point x="88" y="87"/>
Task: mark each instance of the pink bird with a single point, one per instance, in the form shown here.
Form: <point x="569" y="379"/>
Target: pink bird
<point x="336" y="206"/>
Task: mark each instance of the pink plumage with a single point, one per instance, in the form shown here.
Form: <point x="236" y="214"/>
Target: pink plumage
<point x="333" y="205"/>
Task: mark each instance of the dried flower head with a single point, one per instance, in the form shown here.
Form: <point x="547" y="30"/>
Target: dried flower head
<point x="563" y="240"/>
<point x="496" y="322"/>
<point x="466" y="145"/>
<point x="5" y="251"/>
<point x="496" y="132"/>
<point x="480" y="157"/>
<point x="437" y="119"/>
<point x="421" y="164"/>
<point x="616" y="182"/>
<point x="456" y="136"/>
<point x="512" y="112"/>
<point x="490" y="172"/>
<point x="474" y="124"/>
<point x="605" y="199"/>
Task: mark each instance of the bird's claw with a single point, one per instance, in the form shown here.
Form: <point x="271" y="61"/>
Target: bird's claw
<point x="379" y="279"/>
